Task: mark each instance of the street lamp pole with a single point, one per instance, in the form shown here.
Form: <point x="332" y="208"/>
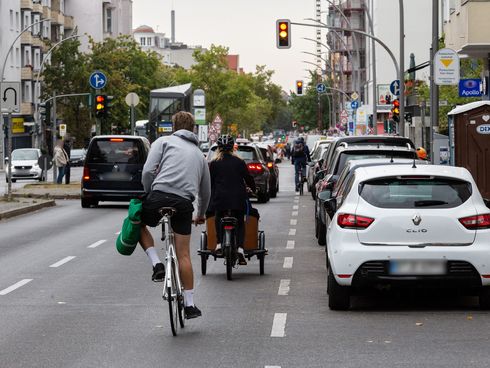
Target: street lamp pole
<point x="401" y="72"/>
<point x="373" y="62"/>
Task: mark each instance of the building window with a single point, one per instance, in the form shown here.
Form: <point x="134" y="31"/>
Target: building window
<point x="11" y="20"/>
<point x="17" y="22"/>
<point x="143" y="41"/>
<point x="17" y="57"/>
<point x="149" y="41"/>
<point x="109" y="20"/>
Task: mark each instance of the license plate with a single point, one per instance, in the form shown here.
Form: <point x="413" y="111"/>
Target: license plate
<point x="416" y="268"/>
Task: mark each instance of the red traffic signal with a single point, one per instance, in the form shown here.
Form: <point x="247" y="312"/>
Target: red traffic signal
<point x="283" y="33"/>
<point x="100" y="105"/>
<point x="299" y="87"/>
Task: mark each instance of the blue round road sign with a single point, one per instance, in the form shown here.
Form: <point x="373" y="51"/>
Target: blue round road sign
<point x="354" y="104"/>
<point x="98" y="80"/>
<point x="321" y="88"/>
<point x="395" y="87"/>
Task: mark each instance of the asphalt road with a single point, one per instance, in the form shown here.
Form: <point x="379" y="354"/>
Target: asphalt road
<point x="100" y="309"/>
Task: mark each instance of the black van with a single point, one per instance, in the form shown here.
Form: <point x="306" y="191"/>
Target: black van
<point x="113" y="168"/>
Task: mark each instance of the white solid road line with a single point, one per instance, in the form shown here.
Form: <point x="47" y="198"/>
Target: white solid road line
<point x="294" y="214"/>
<point x="293" y="222"/>
<point x="62" y="262"/>
<point x="290" y="244"/>
<point x="284" y="287"/>
<point x="15" y="286"/>
<point x="96" y="244"/>
<point x="279" y="325"/>
<point x="288" y="262"/>
<point x="292" y="232"/>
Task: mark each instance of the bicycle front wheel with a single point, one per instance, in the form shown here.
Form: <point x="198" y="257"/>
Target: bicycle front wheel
<point x="179" y="298"/>
<point x="172" y="310"/>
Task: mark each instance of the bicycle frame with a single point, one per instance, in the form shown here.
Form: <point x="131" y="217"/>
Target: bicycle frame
<point x="170" y="256"/>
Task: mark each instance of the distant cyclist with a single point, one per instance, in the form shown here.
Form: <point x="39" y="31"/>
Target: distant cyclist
<point x="300" y="155"/>
<point x="174" y="174"/>
<point x="229" y="181"/>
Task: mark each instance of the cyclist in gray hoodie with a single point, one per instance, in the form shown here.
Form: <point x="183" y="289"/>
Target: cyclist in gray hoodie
<point x="175" y="173"/>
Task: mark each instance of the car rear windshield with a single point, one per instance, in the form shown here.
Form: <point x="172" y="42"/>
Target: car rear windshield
<point x="27" y="154"/>
<point x="247" y="153"/>
<point x="415" y="192"/>
<point x="112" y="151"/>
<point x="360" y="155"/>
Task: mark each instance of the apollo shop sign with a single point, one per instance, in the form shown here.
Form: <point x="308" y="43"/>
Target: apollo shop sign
<point x="470" y="88"/>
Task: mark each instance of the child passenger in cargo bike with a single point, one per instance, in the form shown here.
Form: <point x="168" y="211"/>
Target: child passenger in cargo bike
<point x="229" y="181"/>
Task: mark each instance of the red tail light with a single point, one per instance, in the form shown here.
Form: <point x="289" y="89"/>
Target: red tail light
<point x="116" y="140"/>
<point x="349" y="221"/>
<point x="269" y="165"/>
<point x="86" y="173"/>
<point x="255" y="168"/>
<point x="228" y="227"/>
<point x="476" y="222"/>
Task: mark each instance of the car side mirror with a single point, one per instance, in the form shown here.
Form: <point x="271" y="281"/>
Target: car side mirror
<point x="325" y="195"/>
<point x="331" y="206"/>
<point x="311" y="164"/>
<point x="320" y="175"/>
<point x="487" y="202"/>
<point x="277" y="161"/>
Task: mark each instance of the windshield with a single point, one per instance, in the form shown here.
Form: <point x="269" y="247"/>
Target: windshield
<point x="359" y="155"/>
<point x="19" y="155"/>
<point x="246" y="154"/>
<point x="423" y="192"/>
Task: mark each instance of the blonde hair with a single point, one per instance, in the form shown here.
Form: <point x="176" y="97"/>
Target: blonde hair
<point x="221" y="153"/>
<point x="183" y="120"/>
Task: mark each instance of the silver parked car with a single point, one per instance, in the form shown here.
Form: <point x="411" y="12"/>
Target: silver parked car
<point x="24" y="164"/>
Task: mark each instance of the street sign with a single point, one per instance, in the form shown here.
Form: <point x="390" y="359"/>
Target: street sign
<point x="470" y="88"/>
<point x="446" y="67"/>
<point x="45" y="162"/>
<point x="294" y="123"/>
<point x="344" y="114"/>
<point x="343" y="120"/>
<point x="62" y="130"/>
<point x="10" y="96"/>
<point x="200" y="115"/>
<point x="199" y="98"/>
<point x="132" y="99"/>
<point x="395" y="87"/>
<point x="97" y="80"/>
<point x="354" y="95"/>
<point x="354" y="104"/>
<point x="203" y="133"/>
<point x="321" y="88"/>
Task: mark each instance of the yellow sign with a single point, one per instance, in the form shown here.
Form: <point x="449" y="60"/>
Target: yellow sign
<point x="18" y="125"/>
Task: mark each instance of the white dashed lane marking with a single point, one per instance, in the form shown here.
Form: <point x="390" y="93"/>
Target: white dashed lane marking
<point x="295" y="207"/>
<point x="284" y="287"/>
<point x="293" y="222"/>
<point x="290" y="244"/>
<point x="294" y="214"/>
<point x="288" y="262"/>
<point x="96" y="244"/>
<point x="62" y="261"/>
<point x="292" y="232"/>
<point x="15" y="286"/>
<point x="279" y="325"/>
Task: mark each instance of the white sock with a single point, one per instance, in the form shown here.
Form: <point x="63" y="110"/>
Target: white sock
<point x="153" y="256"/>
<point x="189" y="298"/>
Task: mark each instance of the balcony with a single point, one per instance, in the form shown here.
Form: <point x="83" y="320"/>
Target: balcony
<point x="26" y="108"/>
<point x="37" y="8"/>
<point x="26" y="38"/>
<point x="26" y="4"/>
<point x="69" y="22"/>
<point x="55" y="5"/>
<point x="26" y="73"/>
<point x="37" y="42"/>
<point x="348" y="5"/>
<point x="46" y="12"/>
<point x="57" y="17"/>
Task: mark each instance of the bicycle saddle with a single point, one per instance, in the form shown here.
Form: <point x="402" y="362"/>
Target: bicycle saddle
<point x="167" y="211"/>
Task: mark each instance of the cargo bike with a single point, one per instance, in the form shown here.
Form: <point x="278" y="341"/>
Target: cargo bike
<point x="254" y="244"/>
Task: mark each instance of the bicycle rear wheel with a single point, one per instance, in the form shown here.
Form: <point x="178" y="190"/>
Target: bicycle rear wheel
<point x="229" y="263"/>
<point x="179" y="298"/>
<point x="172" y="310"/>
<point x="301" y="185"/>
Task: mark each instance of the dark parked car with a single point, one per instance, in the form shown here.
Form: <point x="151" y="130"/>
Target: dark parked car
<point x="113" y="167"/>
<point x="256" y="164"/>
<point x="268" y="154"/>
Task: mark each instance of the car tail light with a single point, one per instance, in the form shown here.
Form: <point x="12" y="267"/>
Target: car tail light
<point x="269" y="165"/>
<point x="476" y="222"/>
<point x="349" y="221"/>
<point x="255" y="168"/>
<point x="229" y="227"/>
<point x="86" y="173"/>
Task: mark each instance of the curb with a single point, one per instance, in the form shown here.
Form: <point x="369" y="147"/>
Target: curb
<point x="27" y="209"/>
<point x="46" y="196"/>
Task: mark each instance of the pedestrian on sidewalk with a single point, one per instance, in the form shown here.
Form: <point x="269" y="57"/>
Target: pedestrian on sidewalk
<point x="60" y="160"/>
<point x="67" y="147"/>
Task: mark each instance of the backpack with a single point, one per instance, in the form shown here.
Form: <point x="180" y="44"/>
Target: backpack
<point x="298" y="149"/>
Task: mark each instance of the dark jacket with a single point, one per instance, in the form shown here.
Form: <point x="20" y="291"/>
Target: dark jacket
<point x="229" y="178"/>
<point x="304" y="157"/>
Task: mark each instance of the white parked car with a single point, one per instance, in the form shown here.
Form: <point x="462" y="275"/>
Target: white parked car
<point x="24" y="164"/>
<point x="422" y="226"/>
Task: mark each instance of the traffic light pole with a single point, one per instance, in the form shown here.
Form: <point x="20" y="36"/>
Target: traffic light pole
<point x="401" y="71"/>
<point x="53" y="136"/>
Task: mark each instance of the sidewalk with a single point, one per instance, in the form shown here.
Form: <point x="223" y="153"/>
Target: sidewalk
<point x="33" y="197"/>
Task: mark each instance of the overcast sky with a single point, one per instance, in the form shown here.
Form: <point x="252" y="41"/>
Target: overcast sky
<point x="247" y="27"/>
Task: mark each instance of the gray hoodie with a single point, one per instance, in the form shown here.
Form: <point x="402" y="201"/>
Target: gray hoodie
<point x="176" y="165"/>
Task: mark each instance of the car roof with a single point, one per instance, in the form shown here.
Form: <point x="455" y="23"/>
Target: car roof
<point x="374" y="147"/>
<point x="371" y="172"/>
<point x="354" y="164"/>
<point x="119" y="136"/>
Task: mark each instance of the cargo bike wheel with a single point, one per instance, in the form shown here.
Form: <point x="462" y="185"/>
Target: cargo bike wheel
<point x="204" y="257"/>
<point x="261" y="256"/>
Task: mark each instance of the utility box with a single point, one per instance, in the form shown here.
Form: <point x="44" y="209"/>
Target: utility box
<point x="469" y="140"/>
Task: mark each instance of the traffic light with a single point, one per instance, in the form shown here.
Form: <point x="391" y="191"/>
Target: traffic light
<point x="396" y="111"/>
<point x="45" y="112"/>
<point x="408" y="117"/>
<point x="283" y="33"/>
<point x="100" y="106"/>
<point x="299" y="87"/>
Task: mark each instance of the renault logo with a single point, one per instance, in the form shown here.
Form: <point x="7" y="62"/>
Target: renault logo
<point x="416" y="219"/>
